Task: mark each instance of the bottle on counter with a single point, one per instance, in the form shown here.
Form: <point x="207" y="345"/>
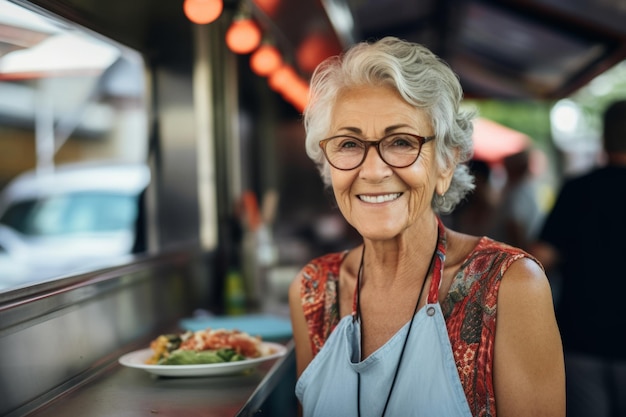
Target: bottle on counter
<point x="234" y="293"/>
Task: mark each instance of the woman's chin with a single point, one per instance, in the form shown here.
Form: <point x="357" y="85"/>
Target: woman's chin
<point x="380" y="233"/>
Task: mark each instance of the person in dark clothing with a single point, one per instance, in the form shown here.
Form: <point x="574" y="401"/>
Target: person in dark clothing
<point x="476" y="214"/>
<point x="584" y="236"/>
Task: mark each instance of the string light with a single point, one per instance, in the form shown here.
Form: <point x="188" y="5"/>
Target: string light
<point x="280" y="79"/>
<point x="203" y="11"/>
<point x="297" y="93"/>
<point x="313" y="50"/>
<point x="265" y="60"/>
<point x="268" y="6"/>
<point x="243" y="36"/>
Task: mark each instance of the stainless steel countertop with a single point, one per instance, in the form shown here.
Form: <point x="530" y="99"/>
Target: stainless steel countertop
<point x="127" y="392"/>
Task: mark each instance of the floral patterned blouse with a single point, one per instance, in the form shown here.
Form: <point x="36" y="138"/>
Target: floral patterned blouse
<point x="469" y="310"/>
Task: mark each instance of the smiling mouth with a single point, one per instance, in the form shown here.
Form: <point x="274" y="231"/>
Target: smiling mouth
<point x="379" y="198"/>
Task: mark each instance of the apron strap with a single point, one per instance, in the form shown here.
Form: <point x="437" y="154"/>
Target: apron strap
<point x="433" y="294"/>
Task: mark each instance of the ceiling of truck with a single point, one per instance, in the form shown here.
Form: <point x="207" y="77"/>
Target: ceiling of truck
<point x="511" y="49"/>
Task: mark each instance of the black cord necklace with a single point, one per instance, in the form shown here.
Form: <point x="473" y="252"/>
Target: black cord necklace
<point x="406" y="339"/>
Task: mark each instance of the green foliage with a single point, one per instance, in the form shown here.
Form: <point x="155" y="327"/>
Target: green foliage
<point x="595" y="97"/>
<point x="529" y="117"/>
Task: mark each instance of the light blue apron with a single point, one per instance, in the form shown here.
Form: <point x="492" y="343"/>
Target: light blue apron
<point x="428" y="382"/>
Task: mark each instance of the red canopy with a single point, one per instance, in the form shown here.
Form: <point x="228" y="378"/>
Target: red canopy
<point x="493" y="141"/>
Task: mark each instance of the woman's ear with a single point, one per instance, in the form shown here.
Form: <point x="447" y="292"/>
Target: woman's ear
<point x="445" y="175"/>
<point x="443" y="183"/>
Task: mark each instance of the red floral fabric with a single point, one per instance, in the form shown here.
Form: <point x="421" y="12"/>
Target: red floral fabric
<point x="469" y="310"/>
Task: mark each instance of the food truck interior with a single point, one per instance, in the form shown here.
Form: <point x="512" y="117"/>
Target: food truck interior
<point x="230" y="202"/>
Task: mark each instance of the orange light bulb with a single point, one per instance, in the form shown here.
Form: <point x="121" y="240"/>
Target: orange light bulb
<point x="268" y="6"/>
<point x="297" y="93"/>
<point x="313" y="50"/>
<point x="243" y="36"/>
<point x="279" y="79"/>
<point x="265" y="60"/>
<point x="203" y="11"/>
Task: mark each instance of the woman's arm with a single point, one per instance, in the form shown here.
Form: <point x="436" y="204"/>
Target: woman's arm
<point x="529" y="373"/>
<point x="301" y="338"/>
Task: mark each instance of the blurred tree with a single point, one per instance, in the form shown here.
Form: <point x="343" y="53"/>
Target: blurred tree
<point x="529" y="117"/>
<point x="594" y="97"/>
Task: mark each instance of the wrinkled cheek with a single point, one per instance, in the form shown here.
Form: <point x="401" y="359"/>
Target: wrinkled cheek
<point x="343" y="202"/>
<point x="418" y="204"/>
<point x="350" y="210"/>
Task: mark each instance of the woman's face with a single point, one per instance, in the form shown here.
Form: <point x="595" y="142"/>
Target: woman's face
<point x="380" y="201"/>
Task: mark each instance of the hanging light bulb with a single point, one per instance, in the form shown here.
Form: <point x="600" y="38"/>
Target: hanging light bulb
<point x="268" y="6"/>
<point x="203" y="11"/>
<point x="265" y="60"/>
<point x="243" y="36"/>
<point x="280" y="79"/>
<point x="316" y="47"/>
<point x="297" y="93"/>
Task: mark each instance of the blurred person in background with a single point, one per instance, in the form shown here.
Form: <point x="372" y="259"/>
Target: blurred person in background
<point x="475" y="214"/>
<point x="404" y="324"/>
<point x="584" y="236"/>
<point x="519" y="215"/>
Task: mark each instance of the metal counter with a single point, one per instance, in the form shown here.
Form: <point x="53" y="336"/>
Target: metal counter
<point x="127" y="392"/>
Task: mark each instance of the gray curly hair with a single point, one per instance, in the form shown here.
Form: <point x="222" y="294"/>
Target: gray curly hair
<point x="422" y="79"/>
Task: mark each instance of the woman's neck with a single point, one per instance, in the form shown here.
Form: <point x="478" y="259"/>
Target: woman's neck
<point x="398" y="261"/>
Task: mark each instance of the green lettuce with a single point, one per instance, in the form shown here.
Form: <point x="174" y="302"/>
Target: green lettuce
<point x="192" y="357"/>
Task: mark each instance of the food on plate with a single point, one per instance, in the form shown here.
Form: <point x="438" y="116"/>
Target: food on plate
<point x="205" y="347"/>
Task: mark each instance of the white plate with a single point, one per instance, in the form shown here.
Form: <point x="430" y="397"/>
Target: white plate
<point x="137" y="359"/>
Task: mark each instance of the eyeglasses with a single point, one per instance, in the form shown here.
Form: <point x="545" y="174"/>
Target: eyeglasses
<point x="398" y="150"/>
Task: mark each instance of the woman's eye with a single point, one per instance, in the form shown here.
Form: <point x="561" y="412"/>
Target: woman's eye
<point x="349" y="143"/>
<point x="402" y="141"/>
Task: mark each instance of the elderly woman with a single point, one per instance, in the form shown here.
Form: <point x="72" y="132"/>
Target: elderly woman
<point x="419" y="319"/>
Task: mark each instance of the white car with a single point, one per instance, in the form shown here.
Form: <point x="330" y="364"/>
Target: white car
<point x="71" y="220"/>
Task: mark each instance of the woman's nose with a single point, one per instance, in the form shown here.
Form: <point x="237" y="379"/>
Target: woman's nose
<point x="373" y="165"/>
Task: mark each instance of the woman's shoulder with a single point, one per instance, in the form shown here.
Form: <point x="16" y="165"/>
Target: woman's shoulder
<point x="483" y="268"/>
<point x="488" y="265"/>
<point x="327" y="261"/>
<point x="496" y="253"/>
<point x="315" y="290"/>
<point x="324" y="267"/>
<point x="481" y="251"/>
<point x="319" y="271"/>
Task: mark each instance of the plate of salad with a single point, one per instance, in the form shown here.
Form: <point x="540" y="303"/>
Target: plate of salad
<point x="203" y="353"/>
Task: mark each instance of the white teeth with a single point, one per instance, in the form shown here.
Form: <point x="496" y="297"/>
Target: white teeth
<point x="379" y="198"/>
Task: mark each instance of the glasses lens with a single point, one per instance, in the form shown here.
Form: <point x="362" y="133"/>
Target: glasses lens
<point x="400" y="149"/>
<point x="344" y="152"/>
